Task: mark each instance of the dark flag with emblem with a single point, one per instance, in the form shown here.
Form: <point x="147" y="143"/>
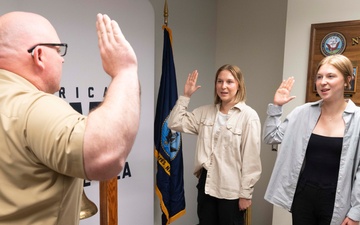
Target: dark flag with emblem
<point x="168" y="149"/>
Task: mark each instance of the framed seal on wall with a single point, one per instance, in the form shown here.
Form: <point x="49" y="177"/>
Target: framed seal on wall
<point x="333" y="43"/>
<point x="329" y="39"/>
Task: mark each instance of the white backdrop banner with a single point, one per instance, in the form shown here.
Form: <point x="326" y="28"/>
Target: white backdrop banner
<point x="84" y="84"/>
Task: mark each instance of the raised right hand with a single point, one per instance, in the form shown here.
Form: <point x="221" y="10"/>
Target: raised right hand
<point x="282" y="94"/>
<point x="190" y="85"/>
<point x="115" y="51"/>
<point x="111" y="128"/>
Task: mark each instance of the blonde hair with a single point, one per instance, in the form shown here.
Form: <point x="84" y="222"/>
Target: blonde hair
<point x="236" y="72"/>
<point x="341" y="63"/>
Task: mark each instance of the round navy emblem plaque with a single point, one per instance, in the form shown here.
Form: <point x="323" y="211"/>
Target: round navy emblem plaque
<point x="333" y="43"/>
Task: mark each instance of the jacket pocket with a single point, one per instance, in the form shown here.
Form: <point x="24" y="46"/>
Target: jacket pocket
<point x="206" y="127"/>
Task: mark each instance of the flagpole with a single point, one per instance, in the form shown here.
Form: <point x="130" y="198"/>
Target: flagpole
<point x="108" y="202"/>
<point x="166" y="13"/>
<point x="168" y="145"/>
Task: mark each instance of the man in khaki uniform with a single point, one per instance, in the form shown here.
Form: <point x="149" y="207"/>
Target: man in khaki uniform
<point x="46" y="147"/>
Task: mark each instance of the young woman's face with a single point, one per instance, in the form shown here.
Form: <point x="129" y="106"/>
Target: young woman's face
<point x="330" y="83"/>
<point x="226" y="86"/>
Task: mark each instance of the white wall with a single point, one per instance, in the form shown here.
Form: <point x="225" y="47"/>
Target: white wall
<point x="300" y="16"/>
<point x="75" y="23"/>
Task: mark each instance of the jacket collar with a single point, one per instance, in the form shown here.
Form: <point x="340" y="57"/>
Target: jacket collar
<point x="350" y="108"/>
<point x="239" y="105"/>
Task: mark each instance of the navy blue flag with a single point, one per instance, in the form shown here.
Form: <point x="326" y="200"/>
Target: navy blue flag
<point x="168" y="145"/>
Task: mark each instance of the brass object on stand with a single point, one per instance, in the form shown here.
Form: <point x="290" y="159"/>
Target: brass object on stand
<point x="88" y="208"/>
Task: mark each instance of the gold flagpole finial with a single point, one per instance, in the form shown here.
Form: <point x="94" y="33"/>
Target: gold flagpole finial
<point x="166" y="13"/>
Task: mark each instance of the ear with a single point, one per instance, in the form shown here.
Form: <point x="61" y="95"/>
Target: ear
<point x="348" y="82"/>
<point x="38" y="56"/>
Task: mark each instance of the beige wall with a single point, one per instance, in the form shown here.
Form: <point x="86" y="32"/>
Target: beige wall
<point x="193" y="29"/>
<point x="251" y="34"/>
<point x="208" y="34"/>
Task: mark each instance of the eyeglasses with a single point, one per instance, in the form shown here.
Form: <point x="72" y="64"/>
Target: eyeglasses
<point x="62" y="48"/>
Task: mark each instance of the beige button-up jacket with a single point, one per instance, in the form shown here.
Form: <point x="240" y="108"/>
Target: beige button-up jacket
<point x="233" y="163"/>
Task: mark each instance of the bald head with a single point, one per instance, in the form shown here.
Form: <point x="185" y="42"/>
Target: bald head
<point x="21" y="30"/>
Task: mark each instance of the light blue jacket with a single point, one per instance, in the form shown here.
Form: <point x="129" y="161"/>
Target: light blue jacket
<point x="294" y="134"/>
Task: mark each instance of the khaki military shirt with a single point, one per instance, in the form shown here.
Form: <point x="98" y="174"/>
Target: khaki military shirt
<point x="41" y="158"/>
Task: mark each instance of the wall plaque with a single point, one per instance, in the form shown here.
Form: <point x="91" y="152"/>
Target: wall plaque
<point x="334" y="38"/>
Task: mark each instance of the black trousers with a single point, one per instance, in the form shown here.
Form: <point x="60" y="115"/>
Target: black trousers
<point x="313" y="205"/>
<point x="214" y="211"/>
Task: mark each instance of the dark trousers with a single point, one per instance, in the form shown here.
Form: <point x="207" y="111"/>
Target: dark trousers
<point x="313" y="205"/>
<point x="214" y="211"/>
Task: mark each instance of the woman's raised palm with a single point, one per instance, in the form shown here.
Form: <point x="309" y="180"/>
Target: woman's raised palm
<point x="282" y="94"/>
<point x="190" y="85"/>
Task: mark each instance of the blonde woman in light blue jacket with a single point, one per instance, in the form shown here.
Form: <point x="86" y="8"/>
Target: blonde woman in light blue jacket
<point x="316" y="174"/>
